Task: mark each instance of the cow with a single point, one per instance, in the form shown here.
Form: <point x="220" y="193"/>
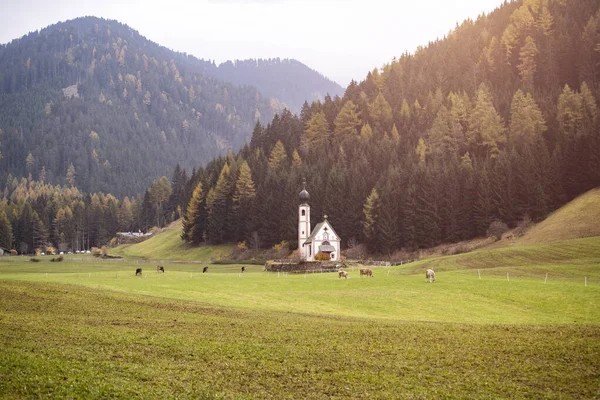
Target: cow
<point x="160" y="268"/>
<point x="342" y="274"/>
<point x="138" y="271"/>
<point x="430" y="276"/>
<point x="243" y="269"/>
<point x="205" y="269"/>
<point x="366" y="271"/>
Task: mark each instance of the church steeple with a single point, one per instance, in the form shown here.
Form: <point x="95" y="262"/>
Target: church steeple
<point x="304" y="223"/>
<point x="304" y="196"/>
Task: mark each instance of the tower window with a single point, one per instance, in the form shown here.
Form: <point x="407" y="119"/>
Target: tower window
<point x="303" y="213"/>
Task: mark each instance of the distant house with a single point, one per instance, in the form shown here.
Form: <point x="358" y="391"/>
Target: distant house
<point x="132" y="237"/>
<point x="322" y="238"/>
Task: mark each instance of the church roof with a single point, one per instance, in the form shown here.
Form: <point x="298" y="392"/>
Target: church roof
<point x="314" y="232"/>
<point x="327" y="248"/>
<point x="318" y="228"/>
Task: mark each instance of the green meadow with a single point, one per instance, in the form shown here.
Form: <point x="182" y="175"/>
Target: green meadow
<point x="493" y="325"/>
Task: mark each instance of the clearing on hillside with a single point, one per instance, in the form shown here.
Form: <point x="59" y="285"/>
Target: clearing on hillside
<point x="576" y="219"/>
<point x="167" y="245"/>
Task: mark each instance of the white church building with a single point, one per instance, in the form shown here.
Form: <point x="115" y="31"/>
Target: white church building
<point x="321" y="239"/>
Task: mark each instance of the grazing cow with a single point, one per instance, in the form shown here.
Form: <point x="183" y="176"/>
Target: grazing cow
<point x="204" y="269"/>
<point x="342" y="274"/>
<point x="366" y="271"/>
<point x="430" y="276"/>
<point x="160" y="268"/>
<point x="138" y="271"/>
<point x="243" y="269"/>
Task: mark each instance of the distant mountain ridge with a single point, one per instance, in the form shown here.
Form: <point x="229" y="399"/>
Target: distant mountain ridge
<point x="121" y="109"/>
<point x="287" y="80"/>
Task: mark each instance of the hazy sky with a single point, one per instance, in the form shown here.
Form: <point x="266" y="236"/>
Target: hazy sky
<point x="342" y="39"/>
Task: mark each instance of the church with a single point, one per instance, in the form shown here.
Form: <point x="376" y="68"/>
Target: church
<point x="321" y="239"/>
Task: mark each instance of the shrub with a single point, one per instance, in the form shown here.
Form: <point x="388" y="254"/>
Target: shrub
<point x="13" y="252"/>
<point x="34" y="259"/>
<point x="496" y="229"/>
<point x="320" y="256"/>
<point x="96" y="252"/>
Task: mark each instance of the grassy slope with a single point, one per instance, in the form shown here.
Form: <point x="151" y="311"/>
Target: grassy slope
<point x="167" y="245"/>
<point x="578" y="219"/>
<point x="77" y="342"/>
<point x="569" y="258"/>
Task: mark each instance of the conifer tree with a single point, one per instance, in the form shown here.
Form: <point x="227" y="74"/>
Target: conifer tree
<point x="486" y="133"/>
<point x="6" y="234"/>
<point x="278" y="160"/>
<point x="526" y="120"/>
<point x="380" y="113"/>
<point x="347" y="121"/>
<point x="194" y="221"/>
<point x="317" y="130"/>
<point x="243" y="201"/>
<point x="371" y="211"/>
<point x="528" y="64"/>
<point x="218" y="206"/>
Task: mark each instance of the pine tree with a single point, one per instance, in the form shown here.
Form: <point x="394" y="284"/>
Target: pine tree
<point x="6" y="234"/>
<point x="526" y="120"/>
<point x="194" y="221"/>
<point x="371" y="211"/>
<point x="243" y="201"/>
<point x="486" y="133"/>
<point x="278" y="160"/>
<point x="317" y="130"/>
<point x="347" y="121"/>
<point x="380" y="113"/>
<point x="528" y="64"/>
<point x="218" y="206"/>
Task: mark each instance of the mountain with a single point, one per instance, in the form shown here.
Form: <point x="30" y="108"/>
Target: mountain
<point x="95" y="98"/>
<point x="287" y="80"/>
<point x="497" y="121"/>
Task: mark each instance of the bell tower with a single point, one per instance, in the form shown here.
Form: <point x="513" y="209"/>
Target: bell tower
<point x="303" y="223"/>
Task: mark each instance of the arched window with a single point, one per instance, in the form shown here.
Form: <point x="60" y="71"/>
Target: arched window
<point x="303" y="213"/>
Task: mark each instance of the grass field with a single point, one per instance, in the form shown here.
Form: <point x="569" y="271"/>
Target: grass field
<point x="92" y="329"/>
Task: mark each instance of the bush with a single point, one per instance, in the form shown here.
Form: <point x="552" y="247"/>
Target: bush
<point x="496" y="229"/>
<point x="320" y="256"/>
<point x="57" y="259"/>
<point x="13" y="252"/>
<point x="34" y="259"/>
<point x="96" y="252"/>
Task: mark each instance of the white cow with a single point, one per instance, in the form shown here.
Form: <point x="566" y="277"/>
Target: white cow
<point x="430" y="276"/>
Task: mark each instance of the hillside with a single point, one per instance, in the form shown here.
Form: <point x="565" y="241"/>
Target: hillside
<point x="577" y="219"/>
<point x="167" y="245"/>
<point x="498" y="120"/>
<point x="288" y="81"/>
<point x="123" y="110"/>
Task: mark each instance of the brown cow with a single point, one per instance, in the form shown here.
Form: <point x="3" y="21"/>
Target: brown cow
<point x="138" y="271"/>
<point x="366" y="271"/>
<point x="160" y="268"/>
<point x="342" y="274"/>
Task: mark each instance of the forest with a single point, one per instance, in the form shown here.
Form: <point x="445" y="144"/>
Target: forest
<point x="95" y="96"/>
<point x="497" y="121"/>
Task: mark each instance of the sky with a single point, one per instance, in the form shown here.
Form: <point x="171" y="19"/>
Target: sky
<point x="342" y="39"/>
